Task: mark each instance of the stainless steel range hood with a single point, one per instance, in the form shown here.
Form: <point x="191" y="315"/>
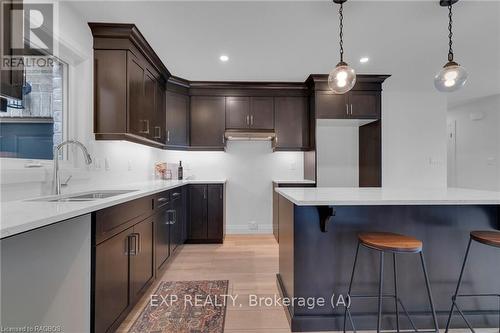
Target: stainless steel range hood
<point x="239" y="135"/>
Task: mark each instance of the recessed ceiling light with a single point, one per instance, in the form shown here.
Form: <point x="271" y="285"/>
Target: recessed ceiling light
<point x="223" y="58"/>
<point x="364" y="60"/>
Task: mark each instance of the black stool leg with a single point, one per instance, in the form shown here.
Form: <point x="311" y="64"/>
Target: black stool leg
<point x="350" y="288"/>
<point x="380" y="288"/>
<point x="454" y="297"/>
<point x="427" y="284"/>
<point x="396" y="290"/>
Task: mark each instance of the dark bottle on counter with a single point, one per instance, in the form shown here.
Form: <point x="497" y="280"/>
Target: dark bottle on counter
<point x="179" y="171"/>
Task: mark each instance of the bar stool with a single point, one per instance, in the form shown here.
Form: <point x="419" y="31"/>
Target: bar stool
<point x="395" y="244"/>
<point x="489" y="238"/>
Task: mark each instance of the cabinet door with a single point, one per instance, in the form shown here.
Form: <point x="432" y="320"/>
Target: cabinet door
<point x="149" y="103"/>
<point x="207" y="121"/>
<point x="237" y="112"/>
<point x="177" y="119"/>
<point x="111" y="280"/>
<point x="110" y="91"/>
<point x="198" y="212"/>
<point x="137" y="121"/>
<point x="141" y="258"/>
<point x="11" y="80"/>
<point x="262" y="113"/>
<point x="162" y="237"/>
<point x="364" y="104"/>
<point x="292" y="123"/>
<point x="177" y="223"/>
<point x="215" y="211"/>
<point x="331" y="106"/>
<point x="159" y="132"/>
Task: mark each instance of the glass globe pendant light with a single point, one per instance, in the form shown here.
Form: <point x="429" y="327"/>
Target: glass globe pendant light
<point x="343" y="77"/>
<point x="452" y="76"/>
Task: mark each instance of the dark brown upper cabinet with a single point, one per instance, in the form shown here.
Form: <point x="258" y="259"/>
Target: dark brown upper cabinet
<point x="237" y="112"/>
<point x="207" y="122"/>
<point x="365" y="104"/>
<point x="177" y="119"/>
<point x="129" y="86"/>
<point x="362" y="102"/>
<point x="11" y="80"/>
<point x="292" y="123"/>
<point x="255" y="113"/>
<point x="262" y="113"/>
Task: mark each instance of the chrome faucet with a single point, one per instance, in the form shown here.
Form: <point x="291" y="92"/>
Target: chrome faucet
<point x="57" y="181"/>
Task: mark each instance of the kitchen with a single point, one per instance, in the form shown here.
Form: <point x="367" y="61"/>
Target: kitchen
<point x="245" y="113"/>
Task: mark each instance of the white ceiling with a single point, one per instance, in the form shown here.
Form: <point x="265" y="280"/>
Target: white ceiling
<point x="287" y="40"/>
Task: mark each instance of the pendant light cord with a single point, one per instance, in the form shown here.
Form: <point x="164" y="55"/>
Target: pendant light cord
<point x="341" y="35"/>
<point x="450" y="35"/>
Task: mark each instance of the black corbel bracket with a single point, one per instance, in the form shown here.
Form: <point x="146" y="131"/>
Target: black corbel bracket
<point x="325" y="213"/>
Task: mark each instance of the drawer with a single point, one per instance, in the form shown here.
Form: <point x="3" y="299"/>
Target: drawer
<point x="162" y="199"/>
<point x="112" y="220"/>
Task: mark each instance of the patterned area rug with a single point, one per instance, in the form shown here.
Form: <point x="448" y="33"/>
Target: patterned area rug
<point x="184" y="307"/>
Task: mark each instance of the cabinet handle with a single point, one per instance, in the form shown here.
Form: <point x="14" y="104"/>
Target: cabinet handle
<point x="132" y="250"/>
<point x="223" y="139"/>
<point x="347" y="109"/>
<point x="139" y="247"/>
<point x="251" y="120"/>
<point x="351" y="109"/>
<point x="157" y="132"/>
<point x="176" y="194"/>
<point x="248" y="120"/>
<point x="162" y="199"/>
<point x="205" y="193"/>
<point x="168" y="136"/>
<point x="145" y="122"/>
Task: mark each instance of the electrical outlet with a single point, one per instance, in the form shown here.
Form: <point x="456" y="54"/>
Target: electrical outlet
<point x="252" y="225"/>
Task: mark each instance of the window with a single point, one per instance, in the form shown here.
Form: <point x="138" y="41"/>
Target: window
<point x="31" y="127"/>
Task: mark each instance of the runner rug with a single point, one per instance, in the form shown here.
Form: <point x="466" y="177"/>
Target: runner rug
<point x="184" y="307"/>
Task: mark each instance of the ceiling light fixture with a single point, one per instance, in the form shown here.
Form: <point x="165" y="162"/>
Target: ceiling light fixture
<point x="452" y="76"/>
<point x="223" y="58"/>
<point x="364" y="60"/>
<point x="343" y="77"/>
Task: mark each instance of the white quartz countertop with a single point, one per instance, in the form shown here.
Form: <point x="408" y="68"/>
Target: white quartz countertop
<point x="25" y="215"/>
<point x="351" y="196"/>
<point x="294" y="181"/>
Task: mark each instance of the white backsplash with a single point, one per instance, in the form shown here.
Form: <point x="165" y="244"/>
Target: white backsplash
<point x="249" y="168"/>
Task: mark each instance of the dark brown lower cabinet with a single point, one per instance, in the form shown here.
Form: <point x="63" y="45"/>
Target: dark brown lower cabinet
<point x="141" y="258"/>
<point x="206" y="213"/>
<point x="133" y="241"/>
<point x="123" y="271"/>
<point x="111" y="280"/>
<point x="162" y="237"/>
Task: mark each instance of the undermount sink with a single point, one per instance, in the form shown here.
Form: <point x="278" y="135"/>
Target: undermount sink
<point x="89" y="196"/>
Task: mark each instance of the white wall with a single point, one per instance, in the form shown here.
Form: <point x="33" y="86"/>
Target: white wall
<point x="477" y="144"/>
<point x="413" y="138"/>
<point x="337" y="150"/>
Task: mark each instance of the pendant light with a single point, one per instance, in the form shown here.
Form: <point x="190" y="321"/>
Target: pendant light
<point x="343" y="77"/>
<point x="453" y="76"/>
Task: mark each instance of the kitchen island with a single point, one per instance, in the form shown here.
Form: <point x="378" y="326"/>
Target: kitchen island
<point x="318" y="239"/>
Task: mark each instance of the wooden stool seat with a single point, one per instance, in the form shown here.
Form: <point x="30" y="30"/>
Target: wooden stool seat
<point x="491" y="238"/>
<point x="388" y="241"/>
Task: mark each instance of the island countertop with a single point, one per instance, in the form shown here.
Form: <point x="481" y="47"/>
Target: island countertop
<point x="353" y="196"/>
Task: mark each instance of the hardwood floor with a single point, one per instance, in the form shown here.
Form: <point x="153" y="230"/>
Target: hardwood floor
<point x="250" y="263"/>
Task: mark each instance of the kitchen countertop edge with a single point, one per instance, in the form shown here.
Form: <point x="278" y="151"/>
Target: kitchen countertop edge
<point x="55" y="212"/>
